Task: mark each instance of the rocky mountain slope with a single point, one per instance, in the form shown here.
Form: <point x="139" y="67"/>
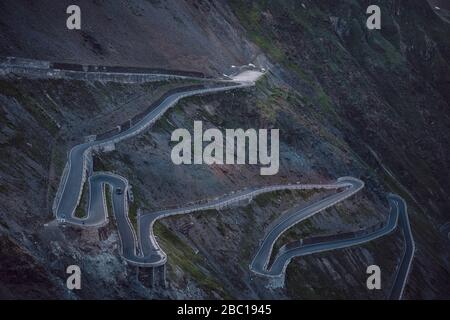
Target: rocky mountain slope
<point x="348" y="101"/>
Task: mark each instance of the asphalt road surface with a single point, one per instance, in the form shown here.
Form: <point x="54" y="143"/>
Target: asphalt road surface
<point x="408" y="254"/>
<point x="143" y="250"/>
<point x="74" y="176"/>
<point x="261" y="259"/>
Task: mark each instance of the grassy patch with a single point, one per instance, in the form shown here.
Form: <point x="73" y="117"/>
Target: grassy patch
<point x="108" y="196"/>
<point x="265" y="199"/>
<point x="251" y="18"/>
<point x="183" y="256"/>
<point x="133" y="208"/>
<point x="80" y="211"/>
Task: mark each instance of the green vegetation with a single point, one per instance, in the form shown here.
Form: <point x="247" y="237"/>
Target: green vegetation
<point x="310" y="283"/>
<point x="108" y="196"/>
<point x="163" y="125"/>
<point x="324" y="101"/>
<point x="133" y="208"/>
<point x="265" y="199"/>
<point x="206" y="214"/>
<point x="222" y="228"/>
<point x="58" y="159"/>
<point x="304" y="229"/>
<point x="80" y="211"/>
<point x="9" y="88"/>
<point x="182" y="255"/>
<point x="132" y="214"/>
<point x="256" y="17"/>
<point x="247" y="247"/>
<point x="30" y="103"/>
<point x="250" y="15"/>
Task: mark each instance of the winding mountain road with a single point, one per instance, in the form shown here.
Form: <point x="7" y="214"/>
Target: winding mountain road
<point x="408" y="253"/>
<point x="261" y="259"/>
<point x="142" y="249"/>
<point x="74" y="176"/>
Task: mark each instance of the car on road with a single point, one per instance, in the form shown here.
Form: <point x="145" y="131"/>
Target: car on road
<point x="119" y="191"/>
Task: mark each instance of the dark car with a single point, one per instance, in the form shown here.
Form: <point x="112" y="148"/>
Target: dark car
<point x="119" y="191"/>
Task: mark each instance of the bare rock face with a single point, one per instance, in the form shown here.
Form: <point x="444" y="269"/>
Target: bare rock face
<point x="186" y="35"/>
<point x="348" y="101"/>
<point x="24" y="276"/>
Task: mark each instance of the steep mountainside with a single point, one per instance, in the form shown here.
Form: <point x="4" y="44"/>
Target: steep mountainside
<point x="199" y="35"/>
<point x="348" y="101"/>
